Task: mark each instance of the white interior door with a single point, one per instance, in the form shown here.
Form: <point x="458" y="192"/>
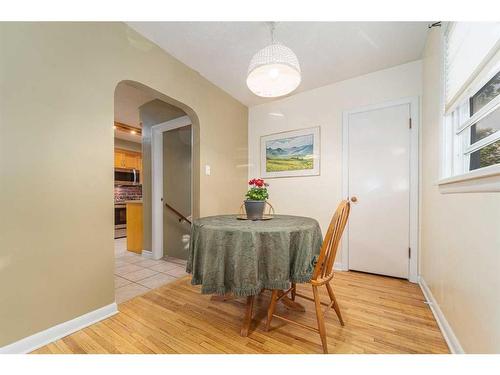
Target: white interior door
<point x="379" y="183"/>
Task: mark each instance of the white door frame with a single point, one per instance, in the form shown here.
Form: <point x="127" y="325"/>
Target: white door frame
<point x="413" y="102"/>
<point x="157" y="180"/>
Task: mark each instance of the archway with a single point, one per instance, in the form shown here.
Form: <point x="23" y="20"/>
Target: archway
<point x="154" y="109"/>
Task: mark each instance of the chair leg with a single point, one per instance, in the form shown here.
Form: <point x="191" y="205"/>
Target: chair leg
<point x="294" y="290"/>
<point x="320" y="318"/>
<point x="272" y="307"/>
<point x="336" y="306"/>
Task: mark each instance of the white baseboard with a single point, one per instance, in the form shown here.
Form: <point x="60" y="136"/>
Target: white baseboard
<point x="33" y="342"/>
<point x="446" y="330"/>
<point x="338" y="266"/>
<point x="147" y="254"/>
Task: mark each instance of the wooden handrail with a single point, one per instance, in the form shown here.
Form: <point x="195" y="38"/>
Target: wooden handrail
<point x="181" y="216"/>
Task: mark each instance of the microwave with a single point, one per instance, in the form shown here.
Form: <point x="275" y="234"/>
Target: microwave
<point x="127" y="176"/>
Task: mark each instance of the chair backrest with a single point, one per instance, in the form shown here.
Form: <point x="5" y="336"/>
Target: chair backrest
<point x="269" y="208"/>
<point x="324" y="266"/>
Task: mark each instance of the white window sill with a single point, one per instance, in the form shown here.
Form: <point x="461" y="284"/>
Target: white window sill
<point x="482" y="180"/>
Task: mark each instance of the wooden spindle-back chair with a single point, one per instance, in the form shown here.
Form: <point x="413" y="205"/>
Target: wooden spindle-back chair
<point x="322" y="275"/>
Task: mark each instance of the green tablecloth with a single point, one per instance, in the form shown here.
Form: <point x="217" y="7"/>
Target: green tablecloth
<point x="244" y="257"/>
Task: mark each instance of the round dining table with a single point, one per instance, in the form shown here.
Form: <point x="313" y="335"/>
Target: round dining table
<point x="241" y="258"/>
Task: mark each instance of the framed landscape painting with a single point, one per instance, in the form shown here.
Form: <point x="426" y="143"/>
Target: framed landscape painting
<point x="290" y="154"/>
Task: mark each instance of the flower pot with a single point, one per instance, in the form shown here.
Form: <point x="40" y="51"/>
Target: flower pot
<point x="255" y="209"/>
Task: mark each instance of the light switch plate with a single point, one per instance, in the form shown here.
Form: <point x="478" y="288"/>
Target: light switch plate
<point x="207" y="170"/>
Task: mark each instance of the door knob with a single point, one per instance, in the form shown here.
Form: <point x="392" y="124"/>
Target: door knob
<point x="354" y="199"/>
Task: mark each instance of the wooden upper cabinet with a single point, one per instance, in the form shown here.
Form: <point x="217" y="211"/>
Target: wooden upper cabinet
<point x="128" y="159"/>
<point x="119" y="159"/>
<point x="139" y="162"/>
<point x="131" y="161"/>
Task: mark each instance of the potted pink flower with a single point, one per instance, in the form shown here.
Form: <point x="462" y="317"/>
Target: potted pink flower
<point x="256" y="198"/>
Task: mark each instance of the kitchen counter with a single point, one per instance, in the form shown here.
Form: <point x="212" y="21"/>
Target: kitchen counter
<point x="134" y="226"/>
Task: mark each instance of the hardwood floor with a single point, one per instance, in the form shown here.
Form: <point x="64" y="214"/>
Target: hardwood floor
<point x="381" y="314"/>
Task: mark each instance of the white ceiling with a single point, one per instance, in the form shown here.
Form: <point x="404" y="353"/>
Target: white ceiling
<point x="328" y="51"/>
<point x="128" y="99"/>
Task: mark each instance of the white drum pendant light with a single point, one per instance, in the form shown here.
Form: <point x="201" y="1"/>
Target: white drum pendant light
<point x="274" y="70"/>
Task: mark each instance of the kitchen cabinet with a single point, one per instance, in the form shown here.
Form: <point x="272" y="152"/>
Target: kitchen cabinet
<point x="128" y="159"/>
<point x="119" y="159"/>
<point x="131" y="161"/>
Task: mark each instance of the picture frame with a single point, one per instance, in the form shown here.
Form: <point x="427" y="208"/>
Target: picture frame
<point x="294" y="153"/>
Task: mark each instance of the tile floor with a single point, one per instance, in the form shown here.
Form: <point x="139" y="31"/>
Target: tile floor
<point x="135" y="275"/>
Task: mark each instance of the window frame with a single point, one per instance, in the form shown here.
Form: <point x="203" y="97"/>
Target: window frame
<point x="456" y="149"/>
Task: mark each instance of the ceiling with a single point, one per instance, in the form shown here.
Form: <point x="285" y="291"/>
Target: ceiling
<point x="128" y="99"/>
<point x="328" y="52"/>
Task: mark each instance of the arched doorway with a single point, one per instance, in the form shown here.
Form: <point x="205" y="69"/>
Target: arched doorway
<point x="157" y="119"/>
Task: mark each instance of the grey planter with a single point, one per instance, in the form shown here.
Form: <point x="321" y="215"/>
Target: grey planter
<point x="255" y="209"/>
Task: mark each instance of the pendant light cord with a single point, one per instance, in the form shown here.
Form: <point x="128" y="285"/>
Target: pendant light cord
<point x="272" y="27"/>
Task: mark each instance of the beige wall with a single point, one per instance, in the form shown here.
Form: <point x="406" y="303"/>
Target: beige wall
<point x="152" y="113"/>
<point x="56" y="156"/>
<point x="318" y="196"/>
<point x="176" y="190"/>
<point x="460" y="237"/>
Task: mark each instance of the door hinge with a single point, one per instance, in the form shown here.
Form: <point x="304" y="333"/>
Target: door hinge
<point x="409" y="122"/>
<point x="409" y="252"/>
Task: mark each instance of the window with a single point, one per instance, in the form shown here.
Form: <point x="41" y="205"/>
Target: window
<point x="472" y="99"/>
<point x="487" y="93"/>
<point x="486" y="156"/>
